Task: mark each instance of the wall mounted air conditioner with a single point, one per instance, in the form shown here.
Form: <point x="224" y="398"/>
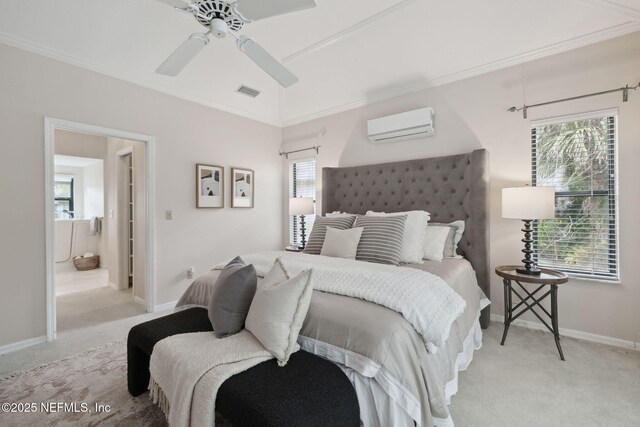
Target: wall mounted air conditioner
<point x="403" y="126"/>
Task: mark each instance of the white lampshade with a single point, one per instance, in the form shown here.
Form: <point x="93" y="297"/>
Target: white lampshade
<point x="301" y="206"/>
<point x="528" y="203"/>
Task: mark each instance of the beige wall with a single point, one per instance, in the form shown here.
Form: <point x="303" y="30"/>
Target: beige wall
<point x="472" y="114"/>
<point x="80" y="144"/>
<point x="33" y="87"/>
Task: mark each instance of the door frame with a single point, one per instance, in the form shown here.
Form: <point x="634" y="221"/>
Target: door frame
<point x="50" y="126"/>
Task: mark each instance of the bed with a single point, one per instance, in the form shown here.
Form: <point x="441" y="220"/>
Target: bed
<point x="397" y="380"/>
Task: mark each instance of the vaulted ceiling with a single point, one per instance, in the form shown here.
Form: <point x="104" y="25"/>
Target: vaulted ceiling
<point x="346" y="53"/>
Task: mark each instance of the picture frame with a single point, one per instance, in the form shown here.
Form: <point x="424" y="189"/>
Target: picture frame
<point x="242" y="187"/>
<point x="209" y="186"/>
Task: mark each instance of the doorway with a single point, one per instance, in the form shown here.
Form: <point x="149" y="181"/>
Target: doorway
<point x="119" y="232"/>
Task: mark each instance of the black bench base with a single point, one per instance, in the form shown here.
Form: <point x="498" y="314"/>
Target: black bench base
<point x="308" y="391"/>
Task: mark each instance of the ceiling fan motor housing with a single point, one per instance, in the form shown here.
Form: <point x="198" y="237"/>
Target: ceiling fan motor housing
<point x="219" y="28"/>
<point x="211" y="12"/>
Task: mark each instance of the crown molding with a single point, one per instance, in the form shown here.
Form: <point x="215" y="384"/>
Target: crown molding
<point x="54" y="54"/>
<point x="341" y="35"/>
<point x="577" y="42"/>
<point x="591" y="38"/>
<point x="612" y="7"/>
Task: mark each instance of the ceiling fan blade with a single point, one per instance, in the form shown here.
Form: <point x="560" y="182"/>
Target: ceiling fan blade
<point x="180" y="4"/>
<point x="183" y="55"/>
<point x="254" y="10"/>
<point x="264" y="60"/>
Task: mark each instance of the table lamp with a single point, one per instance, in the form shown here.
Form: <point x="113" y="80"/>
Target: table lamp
<point x="301" y="206"/>
<point x="528" y="204"/>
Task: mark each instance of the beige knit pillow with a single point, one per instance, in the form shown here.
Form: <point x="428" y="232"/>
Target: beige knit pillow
<point x="278" y="310"/>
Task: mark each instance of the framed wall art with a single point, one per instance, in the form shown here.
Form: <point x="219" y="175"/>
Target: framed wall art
<point x="209" y="186"/>
<point x="242" y="187"/>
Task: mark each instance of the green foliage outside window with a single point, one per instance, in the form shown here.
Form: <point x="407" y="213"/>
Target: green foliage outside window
<point x="577" y="159"/>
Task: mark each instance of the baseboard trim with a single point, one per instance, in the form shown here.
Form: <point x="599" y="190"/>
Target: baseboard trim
<point x="114" y="286"/>
<point x="139" y="300"/>
<point x="10" y="348"/>
<point x="572" y="333"/>
<point x="166" y="306"/>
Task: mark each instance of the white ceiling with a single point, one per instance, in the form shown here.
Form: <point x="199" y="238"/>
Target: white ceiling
<point x="346" y="53"/>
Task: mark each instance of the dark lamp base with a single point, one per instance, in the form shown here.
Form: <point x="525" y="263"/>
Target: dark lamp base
<point x="529" y="272"/>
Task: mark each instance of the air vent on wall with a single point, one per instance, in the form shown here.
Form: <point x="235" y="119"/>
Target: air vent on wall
<point x="246" y="90"/>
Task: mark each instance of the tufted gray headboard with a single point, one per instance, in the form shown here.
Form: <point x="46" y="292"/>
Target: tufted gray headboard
<point x="449" y="188"/>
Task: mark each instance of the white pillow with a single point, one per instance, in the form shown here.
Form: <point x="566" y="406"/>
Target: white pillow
<point x="458" y="226"/>
<point x="278" y="310"/>
<point x="337" y="214"/>
<point x="276" y="274"/>
<point x="341" y="243"/>
<point x="413" y="238"/>
<point x="434" y="242"/>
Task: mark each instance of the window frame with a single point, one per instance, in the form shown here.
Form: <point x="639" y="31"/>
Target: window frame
<point x="70" y="199"/>
<point x="294" y="219"/>
<point x="613" y="194"/>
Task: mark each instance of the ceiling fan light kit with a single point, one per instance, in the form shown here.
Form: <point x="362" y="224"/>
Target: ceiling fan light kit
<point x="222" y="18"/>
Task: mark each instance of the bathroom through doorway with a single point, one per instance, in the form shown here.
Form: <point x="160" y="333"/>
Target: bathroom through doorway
<point x="97" y="244"/>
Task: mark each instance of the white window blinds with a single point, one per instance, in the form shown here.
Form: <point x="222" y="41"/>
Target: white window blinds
<point x="577" y="156"/>
<point x="302" y="183"/>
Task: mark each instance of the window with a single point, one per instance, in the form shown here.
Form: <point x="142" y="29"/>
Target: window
<point x="63" y="196"/>
<point x="577" y="156"/>
<point x="302" y="183"/>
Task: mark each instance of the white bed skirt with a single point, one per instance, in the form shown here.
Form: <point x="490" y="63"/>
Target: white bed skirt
<point x="378" y="409"/>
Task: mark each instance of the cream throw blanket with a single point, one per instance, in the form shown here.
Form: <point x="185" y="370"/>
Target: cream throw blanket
<point x="188" y="369"/>
<point x="423" y="299"/>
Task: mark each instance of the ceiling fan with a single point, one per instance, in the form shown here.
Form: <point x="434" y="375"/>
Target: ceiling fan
<point x="227" y="17"/>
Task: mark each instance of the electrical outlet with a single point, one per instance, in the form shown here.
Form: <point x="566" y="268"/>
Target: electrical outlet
<point x="168" y="215"/>
<point x="190" y="272"/>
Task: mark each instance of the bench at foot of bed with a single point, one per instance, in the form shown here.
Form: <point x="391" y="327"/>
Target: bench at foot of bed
<point x="308" y="391"/>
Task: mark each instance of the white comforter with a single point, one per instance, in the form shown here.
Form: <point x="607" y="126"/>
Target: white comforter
<point x="424" y="299"/>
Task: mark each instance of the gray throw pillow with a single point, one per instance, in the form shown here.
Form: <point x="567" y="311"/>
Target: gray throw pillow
<point x="381" y="239"/>
<point x="232" y="297"/>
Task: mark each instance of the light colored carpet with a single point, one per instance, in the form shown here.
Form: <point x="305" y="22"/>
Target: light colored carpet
<point x="97" y="376"/>
<point x="94" y="307"/>
<point x="94" y="386"/>
<point x="523" y="383"/>
<point x="72" y="341"/>
<point x="69" y="280"/>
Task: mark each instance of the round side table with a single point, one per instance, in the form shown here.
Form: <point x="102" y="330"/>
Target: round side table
<point x="529" y="300"/>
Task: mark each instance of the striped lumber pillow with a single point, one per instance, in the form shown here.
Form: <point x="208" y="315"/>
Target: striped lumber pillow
<point x="319" y="230"/>
<point x="381" y="239"/>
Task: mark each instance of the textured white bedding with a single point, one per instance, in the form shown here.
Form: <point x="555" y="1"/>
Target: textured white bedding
<point x="424" y="299"/>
